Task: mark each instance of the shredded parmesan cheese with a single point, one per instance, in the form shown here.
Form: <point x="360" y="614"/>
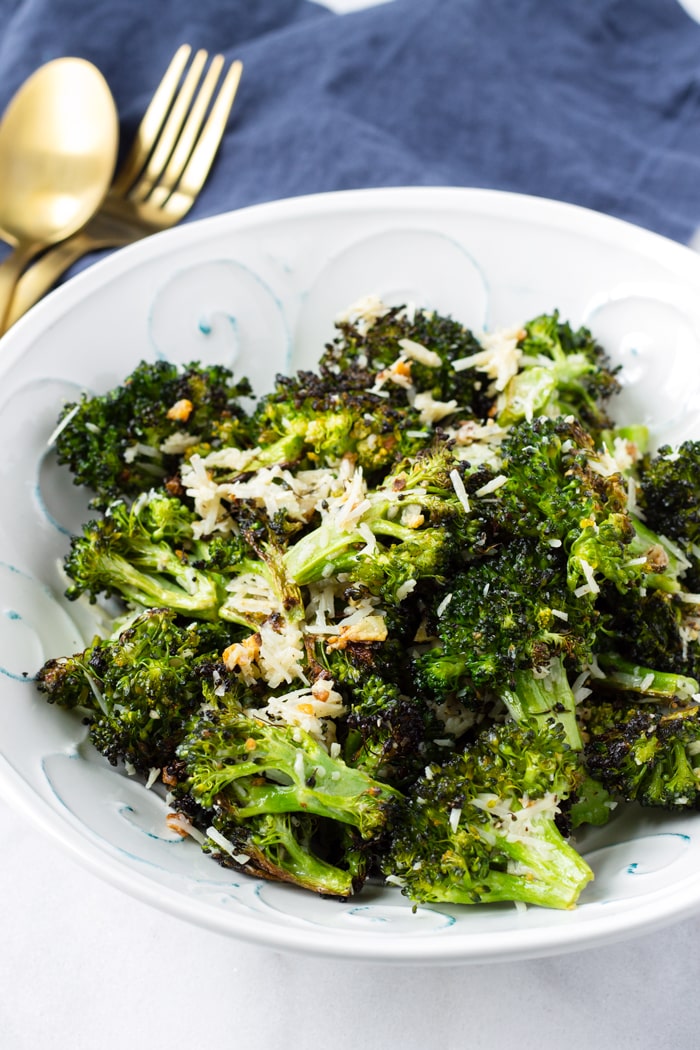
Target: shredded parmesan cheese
<point x="499" y="359"/>
<point x="420" y="353"/>
<point x="432" y="411"/>
<point x="491" y="486"/>
<point x="460" y="490"/>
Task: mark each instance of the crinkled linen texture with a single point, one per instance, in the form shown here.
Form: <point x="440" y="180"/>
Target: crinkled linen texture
<point x="596" y="103"/>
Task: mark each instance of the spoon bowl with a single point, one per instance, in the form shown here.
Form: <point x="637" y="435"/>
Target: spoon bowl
<point x="58" y="149"/>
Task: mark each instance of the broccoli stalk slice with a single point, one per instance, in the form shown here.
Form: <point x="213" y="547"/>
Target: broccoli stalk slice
<point x="187" y="591"/>
<point x="527" y="394"/>
<point x="323" y="552"/>
<point x="547" y="871"/>
<point x="546" y="698"/>
<point x="481" y="827"/>
<point x="278" y="846"/>
<point x="645" y="543"/>
<point x="262" y="768"/>
<point x="550" y="872"/>
<point x="629" y="677"/>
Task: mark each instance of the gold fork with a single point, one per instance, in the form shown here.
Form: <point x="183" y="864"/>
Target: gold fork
<point x="159" y="180"/>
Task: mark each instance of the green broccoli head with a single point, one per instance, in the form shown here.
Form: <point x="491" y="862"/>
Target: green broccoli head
<point x="139" y="689"/>
<point x="143" y="553"/>
<point x="653" y="628"/>
<point x="556" y="483"/>
<point x="133" y="437"/>
<point x="252" y="766"/>
<point x="482" y="828"/>
<point x="310" y="422"/>
<point x="563" y="371"/>
<point x="643" y="754"/>
<point x="506" y="612"/>
<point x="273" y="801"/>
<point x="670" y="492"/>
<point x="406" y="351"/>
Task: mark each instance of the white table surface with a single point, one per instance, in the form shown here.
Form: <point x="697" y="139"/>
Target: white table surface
<point x="83" y="965"/>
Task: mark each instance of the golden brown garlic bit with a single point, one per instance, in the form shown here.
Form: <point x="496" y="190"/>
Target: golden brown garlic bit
<point x="242" y="655"/>
<point x="181" y="410"/>
<point x="370" y="629"/>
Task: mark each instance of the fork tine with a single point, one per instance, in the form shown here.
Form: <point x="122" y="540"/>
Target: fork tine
<point x="151" y="123"/>
<point x="170" y="131"/>
<point x="202" y="157"/>
<point x="188" y="137"/>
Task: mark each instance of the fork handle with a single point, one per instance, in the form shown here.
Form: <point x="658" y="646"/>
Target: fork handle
<point x="41" y="276"/>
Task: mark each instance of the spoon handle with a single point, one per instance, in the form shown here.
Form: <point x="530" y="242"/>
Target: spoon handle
<point x="10" y="272"/>
<point x="41" y="276"/>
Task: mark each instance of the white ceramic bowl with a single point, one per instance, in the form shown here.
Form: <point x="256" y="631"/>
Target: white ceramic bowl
<point x="258" y="290"/>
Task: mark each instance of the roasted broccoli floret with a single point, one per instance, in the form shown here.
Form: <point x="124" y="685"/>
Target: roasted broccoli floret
<point x="411" y="528"/>
<point x="670" y="492"/>
<point x="562" y="371"/>
<point x="132" y="438"/>
<point x="138" y="690"/>
<point x="643" y="753"/>
<point x="554" y="483"/>
<point x="282" y="847"/>
<point x="419" y="615"/>
<point x="140" y="553"/>
<point x="557" y="486"/>
<point x="238" y="772"/>
<point x="482" y="828"/>
<point x="309" y="422"/>
<point x="508" y="612"/>
<point x="402" y="351"/>
<point x="654" y="628"/>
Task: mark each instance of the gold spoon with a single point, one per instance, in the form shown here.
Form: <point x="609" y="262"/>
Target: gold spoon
<point x="58" y="148"/>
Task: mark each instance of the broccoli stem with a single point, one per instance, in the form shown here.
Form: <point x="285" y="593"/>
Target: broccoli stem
<point x="194" y="593"/>
<point x="527" y="394"/>
<point x="323" y="550"/>
<point x="645" y="541"/>
<point x="281" y="852"/>
<point x="551" y="873"/>
<point x="547" y="698"/>
<point x="629" y="677"/>
<point x="542" y="869"/>
<point x="301" y="776"/>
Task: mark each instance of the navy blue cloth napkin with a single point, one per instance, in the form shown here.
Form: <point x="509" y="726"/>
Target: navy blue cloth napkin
<point x="596" y="103"/>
